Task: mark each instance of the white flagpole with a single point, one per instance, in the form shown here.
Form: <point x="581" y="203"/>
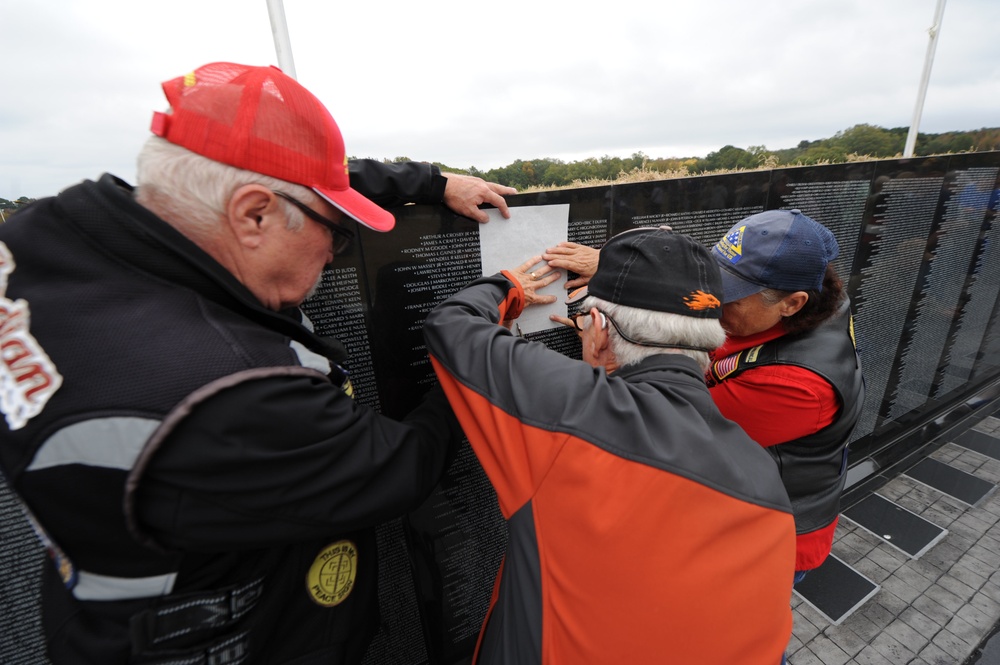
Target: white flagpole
<point x="282" y="44"/>
<point x="911" y="137"/>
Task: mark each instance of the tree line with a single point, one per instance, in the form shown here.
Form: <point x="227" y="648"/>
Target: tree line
<point x="856" y="143"/>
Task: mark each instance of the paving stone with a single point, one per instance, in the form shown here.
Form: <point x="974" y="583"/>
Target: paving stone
<point x="877" y="614"/>
<point x="828" y="652"/>
<point x="888" y="558"/>
<point x="927" y="569"/>
<point x="794" y="644"/>
<point x="920" y="622"/>
<point x="989" y="559"/>
<point x="961" y="536"/>
<point x="892" y="649"/>
<point x="893" y="490"/>
<point x="986" y="605"/>
<point x="870" y="656"/>
<point x="962" y="542"/>
<point x="871" y="570"/>
<point x="954" y="645"/>
<point x="804" y="657"/>
<point x="860" y="541"/>
<point x="970" y="572"/>
<point x="946" y="598"/>
<point x="935" y="655"/>
<point x="988" y="472"/>
<point x="975" y="618"/>
<point x="991" y="540"/>
<point x="946" y="453"/>
<point x="926" y="495"/>
<point x="892" y="603"/>
<point x="944" y="554"/>
<point x="934" y="610"/>
<point x="912" y="577"/>
<point x="938" y="517"/>
<point x="895" y="585"/>
<point x="976" y="524"/>
<point x="848" y="555"/>
<point x="991" y="505"/>
<point x="957" y="586"/>
<point x="846" y="639"/>
<point x="811" y="615"/>
<point x="949" y="506"/>
<point x="804" y="629"/>
<point x="912" y="502"/>
<point x="864" y="627"/>
<point x="906" y="635"/>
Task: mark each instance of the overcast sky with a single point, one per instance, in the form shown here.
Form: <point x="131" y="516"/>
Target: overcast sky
<point x="484" y="83"/>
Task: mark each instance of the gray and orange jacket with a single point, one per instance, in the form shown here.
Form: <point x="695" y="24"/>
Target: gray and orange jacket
<point x="643" y="526"/>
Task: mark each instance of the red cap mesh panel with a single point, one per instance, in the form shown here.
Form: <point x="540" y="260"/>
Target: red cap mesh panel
<point x="261" y="120"/>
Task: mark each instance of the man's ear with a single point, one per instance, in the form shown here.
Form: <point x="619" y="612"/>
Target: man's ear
<point x="791" y="304"/>
<point x="252" y="209"/>
<point x="599" y="338"/>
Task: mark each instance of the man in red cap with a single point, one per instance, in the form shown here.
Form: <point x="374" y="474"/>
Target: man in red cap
<point x="187" y="448"/>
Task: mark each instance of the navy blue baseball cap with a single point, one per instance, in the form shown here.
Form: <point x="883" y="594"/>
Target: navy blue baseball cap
<point x="776" y="249"/>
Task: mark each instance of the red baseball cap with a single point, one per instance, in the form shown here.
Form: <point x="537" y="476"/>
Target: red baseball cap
<point x="262" y="120"/>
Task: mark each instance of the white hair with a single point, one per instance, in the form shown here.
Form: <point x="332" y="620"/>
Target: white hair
<point x="191" y="192"/>
<point x="645" y="325"/>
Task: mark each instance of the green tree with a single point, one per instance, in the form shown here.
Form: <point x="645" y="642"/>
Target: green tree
<point x="869" y="140"/>
<point x="727" y="158"/>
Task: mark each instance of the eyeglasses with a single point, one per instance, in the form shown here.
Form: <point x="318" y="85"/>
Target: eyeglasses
<point x="578" y="318"/>
<point x="341" y="237"/>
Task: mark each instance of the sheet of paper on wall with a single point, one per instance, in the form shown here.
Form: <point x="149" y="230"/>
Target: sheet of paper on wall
<point x="505" y="244"/>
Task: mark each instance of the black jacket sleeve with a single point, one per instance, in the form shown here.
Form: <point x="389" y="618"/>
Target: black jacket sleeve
<point x="391" y="185"/>
<point x="287" y="459"/>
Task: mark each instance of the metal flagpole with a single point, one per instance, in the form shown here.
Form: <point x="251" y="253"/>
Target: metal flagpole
<point x="282" y="44"/>
<point x="911" y="137"/>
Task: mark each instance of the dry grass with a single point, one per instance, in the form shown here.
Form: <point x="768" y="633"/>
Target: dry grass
<point x="643" y="174"/>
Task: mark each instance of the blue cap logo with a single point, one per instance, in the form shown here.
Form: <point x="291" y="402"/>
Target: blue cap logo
<point x="731" y="246"/>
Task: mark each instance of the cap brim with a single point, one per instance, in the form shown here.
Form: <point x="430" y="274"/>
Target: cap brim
<point x="358" y="208"/>
<point x="577" y="295"/>
<point x="735" y="287"/>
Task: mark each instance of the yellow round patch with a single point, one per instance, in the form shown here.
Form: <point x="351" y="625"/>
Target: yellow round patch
<point x="330" y="579"/>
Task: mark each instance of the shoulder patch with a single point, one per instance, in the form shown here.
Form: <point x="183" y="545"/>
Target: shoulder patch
<point x="331" y="576"/>
<point x="28" y="378"/>
<point x="723" y="368"/>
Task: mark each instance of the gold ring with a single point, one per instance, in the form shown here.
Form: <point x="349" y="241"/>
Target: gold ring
<point x="532" y="275"/>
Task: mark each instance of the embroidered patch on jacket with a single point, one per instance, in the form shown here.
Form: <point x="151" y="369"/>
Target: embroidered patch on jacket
<point x="28" y="378"/>
<point x="723" y="368"/>
<point x="753" y="353"/>
<point x="731" y="246"/>
<point x="330" y="579"/>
